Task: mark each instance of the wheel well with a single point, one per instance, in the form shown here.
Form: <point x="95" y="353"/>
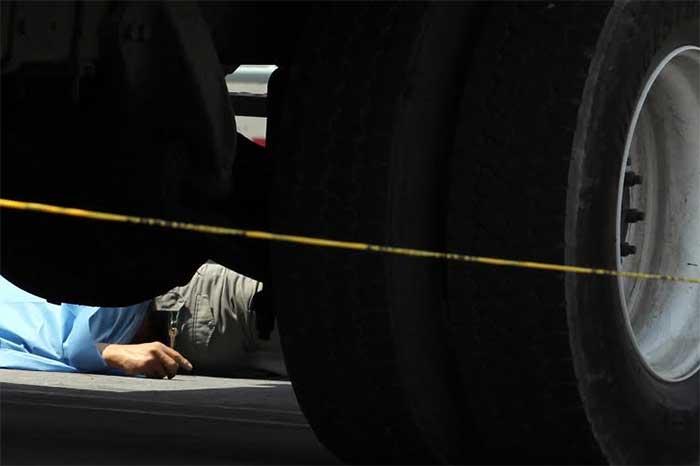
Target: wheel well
<point x="256" y="33"/>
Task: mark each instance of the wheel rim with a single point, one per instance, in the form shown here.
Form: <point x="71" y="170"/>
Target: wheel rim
<point x="658" y="218"/>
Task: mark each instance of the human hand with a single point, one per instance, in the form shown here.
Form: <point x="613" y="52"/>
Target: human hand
<point x="153" y="359"/>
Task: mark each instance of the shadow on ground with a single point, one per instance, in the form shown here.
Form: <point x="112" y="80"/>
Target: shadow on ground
<point x="50" y="418"/>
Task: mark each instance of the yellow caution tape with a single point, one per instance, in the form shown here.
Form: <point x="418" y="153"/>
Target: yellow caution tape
<point x="330" y="243"/>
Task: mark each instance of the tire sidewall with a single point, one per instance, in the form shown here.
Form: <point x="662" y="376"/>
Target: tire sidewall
<point x="422" y="140"/>
<point x="636" y="416"/>
<point x="370" y="173"/>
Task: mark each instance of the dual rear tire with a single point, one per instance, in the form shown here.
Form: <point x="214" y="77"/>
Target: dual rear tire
<point x="497" y="130"/>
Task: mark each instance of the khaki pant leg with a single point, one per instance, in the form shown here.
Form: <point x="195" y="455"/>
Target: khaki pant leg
<point x="217" y="326"/>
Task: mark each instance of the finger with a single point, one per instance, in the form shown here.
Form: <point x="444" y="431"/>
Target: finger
<point x="155" y="370"/>
<point x="168" y="363"/>
<point x="180" y="359"/>
<point x="173" y="353"/>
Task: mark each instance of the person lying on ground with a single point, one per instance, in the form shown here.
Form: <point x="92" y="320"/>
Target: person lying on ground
<point x="216" y="322"/>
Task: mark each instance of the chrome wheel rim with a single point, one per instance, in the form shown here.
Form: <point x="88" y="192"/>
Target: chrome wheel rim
<point x="658" y="218"/>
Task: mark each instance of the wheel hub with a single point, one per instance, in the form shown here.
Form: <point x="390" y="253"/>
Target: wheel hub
<point x="658" y="212"/>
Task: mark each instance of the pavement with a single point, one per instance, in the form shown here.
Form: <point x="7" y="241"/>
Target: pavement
<point x="59" y="418"/>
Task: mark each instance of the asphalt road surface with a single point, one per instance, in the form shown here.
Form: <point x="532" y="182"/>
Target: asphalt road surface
<point x="54" y="418"/>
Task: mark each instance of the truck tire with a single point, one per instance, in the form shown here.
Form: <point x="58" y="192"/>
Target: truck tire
<point x="360" y="149"/>
<point x="559" y="371"/>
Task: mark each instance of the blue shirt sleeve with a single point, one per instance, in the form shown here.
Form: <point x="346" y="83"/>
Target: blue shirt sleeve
<point x="92" y="325"/>
<point x="38" y="335"/>
<point x="79" y="346"/>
